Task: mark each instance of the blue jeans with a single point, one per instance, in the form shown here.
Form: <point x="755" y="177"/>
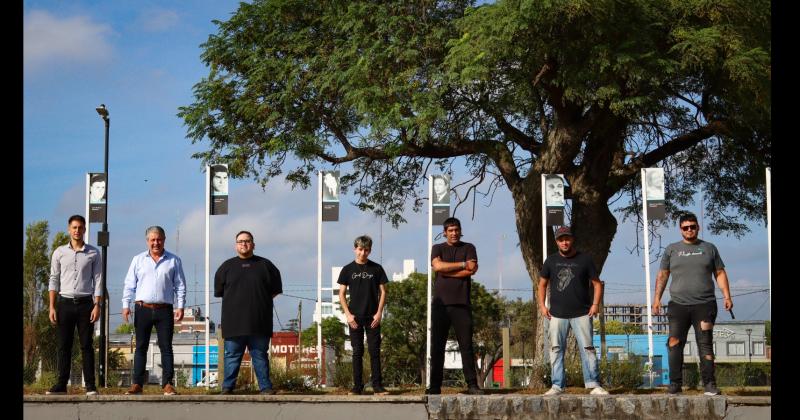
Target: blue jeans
<point x="234" y="350"/>
<point x="582" y="329"/>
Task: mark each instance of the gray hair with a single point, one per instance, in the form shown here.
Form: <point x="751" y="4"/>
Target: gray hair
<point x="157" y="229"/>
<point x="363" y="241"/>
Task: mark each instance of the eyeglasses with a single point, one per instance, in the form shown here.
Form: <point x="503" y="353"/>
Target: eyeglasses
<point x="688" y="227"/>
<point x="244" y="241"/>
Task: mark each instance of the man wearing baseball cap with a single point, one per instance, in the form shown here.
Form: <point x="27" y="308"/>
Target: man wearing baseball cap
<point x="574" y="299"/>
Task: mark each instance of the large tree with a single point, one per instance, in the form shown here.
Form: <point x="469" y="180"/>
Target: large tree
<point x="390" y="91"/>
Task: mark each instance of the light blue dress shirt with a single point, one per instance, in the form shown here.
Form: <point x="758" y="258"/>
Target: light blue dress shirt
<point x="155" y="282"/>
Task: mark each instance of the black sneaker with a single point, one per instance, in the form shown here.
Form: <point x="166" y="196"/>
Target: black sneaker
<point x="711" y="389"/>
<point x="674" y="388"/>
<point x="268" y="391"/>
<point x="355" y="391"/>
<point x="57" y="390"/>
<point x="474" y="390"/>
<point x="433" y="391"/>
<point x="226" y="391"/>
<point x="379" y="390"/>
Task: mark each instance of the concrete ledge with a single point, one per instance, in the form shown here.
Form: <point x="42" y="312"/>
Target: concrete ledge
<point x="400" y="407"/>
<point x="322" y="399"/>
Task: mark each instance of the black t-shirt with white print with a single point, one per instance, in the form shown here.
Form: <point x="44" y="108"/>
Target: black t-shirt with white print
<point x="571" y="290"/>
<point x="363" y="282"/>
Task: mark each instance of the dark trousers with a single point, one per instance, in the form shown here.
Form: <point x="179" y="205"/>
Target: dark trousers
<point x="71" y="313"/>
<point x="681" y="317"/>
<point x="374" y="344"/>
<point x="460" y="317"/>
<point x="143" y="321"/>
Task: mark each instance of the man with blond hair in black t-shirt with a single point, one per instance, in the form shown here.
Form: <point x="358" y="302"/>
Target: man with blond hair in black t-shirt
<point x="367" y="283"/>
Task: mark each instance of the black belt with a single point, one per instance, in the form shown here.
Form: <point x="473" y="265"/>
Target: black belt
<point x="76" y="300"/>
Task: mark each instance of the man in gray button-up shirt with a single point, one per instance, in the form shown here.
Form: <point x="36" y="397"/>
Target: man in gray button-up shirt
<point x="75" y="271"/>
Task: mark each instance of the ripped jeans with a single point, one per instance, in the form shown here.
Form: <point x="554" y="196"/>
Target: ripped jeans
<point x="582" y="329"/>
<point x="681" y="318"/>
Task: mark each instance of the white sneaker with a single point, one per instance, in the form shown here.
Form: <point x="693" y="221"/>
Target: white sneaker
<point x="599" y="391"/>
<point x="553" y="391"/>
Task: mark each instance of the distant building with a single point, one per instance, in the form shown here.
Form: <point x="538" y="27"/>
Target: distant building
<point x="408" y="269"/>
<point x="636" y="314"/>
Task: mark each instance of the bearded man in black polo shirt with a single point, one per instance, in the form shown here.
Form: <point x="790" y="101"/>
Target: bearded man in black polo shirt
<point x="455" y="262"/>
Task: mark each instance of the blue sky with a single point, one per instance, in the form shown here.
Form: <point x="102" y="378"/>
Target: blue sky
<point x="141" y="58"/>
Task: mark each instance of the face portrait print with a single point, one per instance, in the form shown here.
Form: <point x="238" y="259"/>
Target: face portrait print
<point x="554" y="190"/>
<point x="219" y="180"/>
<point x="441" y="190"/>
<point x="330" y="187"/>
<point x="97" y="189"/>
<point x="654" y="182"/>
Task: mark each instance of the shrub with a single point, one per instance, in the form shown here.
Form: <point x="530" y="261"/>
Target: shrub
<point x="623" y="373"/>
<point x="290" y="379"/>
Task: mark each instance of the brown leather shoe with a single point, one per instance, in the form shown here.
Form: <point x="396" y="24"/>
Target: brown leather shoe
<point x="170" y="390"/>
<point x="134" y="389"/>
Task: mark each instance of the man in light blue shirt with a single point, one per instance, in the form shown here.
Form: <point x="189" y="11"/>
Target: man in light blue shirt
<point x="154" y="282"/>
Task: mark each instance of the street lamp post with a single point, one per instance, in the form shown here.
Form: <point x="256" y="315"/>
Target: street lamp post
<point x="103" y="240"/>
<point x="749" y="347"/>
<point x="194" y="353"/>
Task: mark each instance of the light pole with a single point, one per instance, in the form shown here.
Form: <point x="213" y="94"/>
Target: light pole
<point x="102" y="240"/>
<point x="194" y="353"/>
<point x="749" y="348"/>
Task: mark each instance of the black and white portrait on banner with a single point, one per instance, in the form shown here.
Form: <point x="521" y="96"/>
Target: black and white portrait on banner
<point x="554" y="199"/>
<point x="654" y="193"/>
<point x="440" y="198"/>
<point x="219" y="179"/>
<point x="330" y="186"/>
<point x="219" y="189"/>
<point x="330" y="196"/>
<point x="97" y="197"/>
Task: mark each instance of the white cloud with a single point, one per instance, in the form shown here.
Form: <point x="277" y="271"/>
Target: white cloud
<point x="157" y="20"/>
<point x="49" y="40"/>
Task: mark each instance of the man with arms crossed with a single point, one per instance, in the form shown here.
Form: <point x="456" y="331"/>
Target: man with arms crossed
<point x="455" y="262"/>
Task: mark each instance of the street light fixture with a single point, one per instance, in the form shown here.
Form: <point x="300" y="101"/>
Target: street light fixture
<point x="103" y="240"/>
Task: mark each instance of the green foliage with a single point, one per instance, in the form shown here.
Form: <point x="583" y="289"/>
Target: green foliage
<point x="743" y="374"/>
<point x="768" y="332"/>
<point x="623" y="373"/>
<point x="403" y="328"/>
<point x="46" y="380"/>
<point x="343" y="375"/>
<point x="124" y="329"/>
<point x="333" y="334"/>
<point x="614" y="327"/>
<point x="114" y="378"/>
<point x="288" y="379"/>
<point x="691" y="375"/>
